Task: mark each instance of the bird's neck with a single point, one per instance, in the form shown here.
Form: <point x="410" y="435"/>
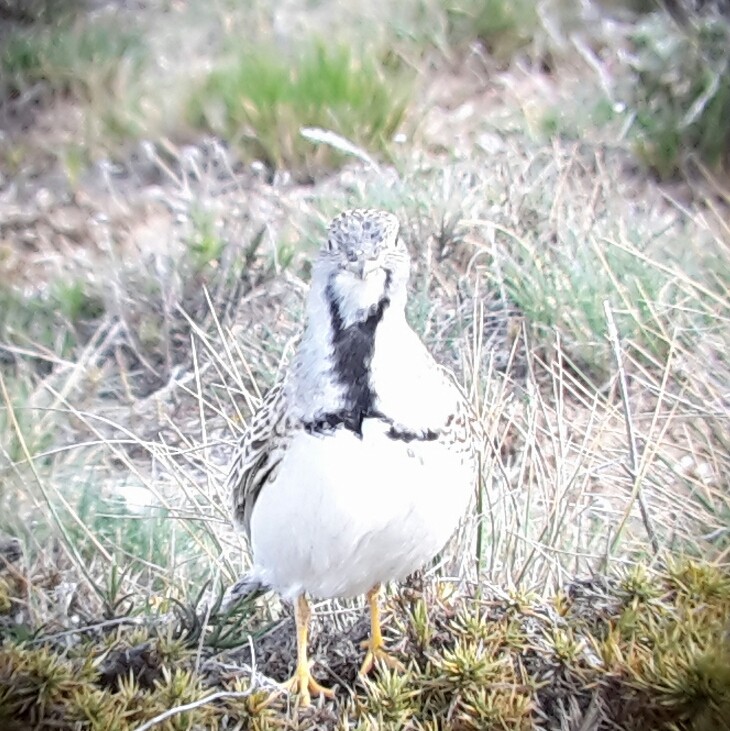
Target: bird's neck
<point x="332" y="373"/>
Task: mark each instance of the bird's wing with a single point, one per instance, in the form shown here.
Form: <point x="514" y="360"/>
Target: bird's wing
<point x="466" y="421"/>
<point x="257" y="457"/>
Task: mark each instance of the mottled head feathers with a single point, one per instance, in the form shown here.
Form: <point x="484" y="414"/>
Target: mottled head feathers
<point x="362" y="233"/>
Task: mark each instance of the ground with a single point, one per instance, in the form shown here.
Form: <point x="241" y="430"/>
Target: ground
<point x="158" y="213"/>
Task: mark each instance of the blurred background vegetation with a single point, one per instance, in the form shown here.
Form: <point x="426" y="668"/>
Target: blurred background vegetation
<point x="254" y="77"/>
<point x="560" y="170"/>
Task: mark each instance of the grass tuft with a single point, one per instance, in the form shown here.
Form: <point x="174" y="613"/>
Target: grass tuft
<point x="681" y="92"/>
<point x="77" y="58"/>
<point x="503" y="27"/>
<point x="40" y="11"/>
<point x="261" y="101"/>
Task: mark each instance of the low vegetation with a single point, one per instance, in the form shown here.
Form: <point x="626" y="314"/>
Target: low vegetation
<point x="69" y="57"/>
<point x="631" y="650"/>
<point x="152" y="276"/>
<point x="505" y="29"/>
<point x="681" y="92"/>
<point x="261" y="102"/>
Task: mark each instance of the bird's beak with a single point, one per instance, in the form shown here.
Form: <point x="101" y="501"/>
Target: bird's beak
<point x="364" y="268"/>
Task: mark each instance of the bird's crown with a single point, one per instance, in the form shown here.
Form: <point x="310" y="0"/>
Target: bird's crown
<point x="362" y="232"/>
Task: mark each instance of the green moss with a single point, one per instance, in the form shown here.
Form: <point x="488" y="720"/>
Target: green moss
<point x="38" y="684"/>
<point x="699" y="583"/>
<point x="656" y="659"/>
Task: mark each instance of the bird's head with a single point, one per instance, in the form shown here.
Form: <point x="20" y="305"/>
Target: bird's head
<point x="363" y="263"/>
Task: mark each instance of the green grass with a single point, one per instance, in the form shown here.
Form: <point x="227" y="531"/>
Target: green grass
<point x="563" y="288"/>
<point x="16" y="416"/>
<point x="504" y="27"/>
<point x="261" y="101"/>
<point x="32" y="320"/>
<point x="75" y="302"/>
<point x="122" y="401"/>
<point x="681" y="93"/>
<point x="86" y="71"/>
<point x="205" y="244"/>
<point x="138" y="536"/>
<point x="56" y="317"/>
<point x="41" y="11"/>
<point x="78" y="58"/>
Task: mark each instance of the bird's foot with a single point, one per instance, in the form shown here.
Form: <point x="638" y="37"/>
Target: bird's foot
<point x="380" y="654"/>
<point x="305" y="686"/>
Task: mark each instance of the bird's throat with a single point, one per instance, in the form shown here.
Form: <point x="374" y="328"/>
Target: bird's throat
<point x="352" y="352"/>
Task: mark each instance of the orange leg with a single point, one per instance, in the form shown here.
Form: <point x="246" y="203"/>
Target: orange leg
<point x="302" y="681"/>
<point x="375" y="645"/>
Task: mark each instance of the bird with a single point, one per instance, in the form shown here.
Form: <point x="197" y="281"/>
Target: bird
<point x="361" y="460"/>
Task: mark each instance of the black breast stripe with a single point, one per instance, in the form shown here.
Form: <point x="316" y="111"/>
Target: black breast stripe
<point x="329" y="422"/>
<point x="404" y="435"/>
<point x="352" y="354"/>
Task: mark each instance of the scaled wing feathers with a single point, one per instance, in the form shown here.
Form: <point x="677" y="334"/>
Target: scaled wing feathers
<point x="258" y="456"/>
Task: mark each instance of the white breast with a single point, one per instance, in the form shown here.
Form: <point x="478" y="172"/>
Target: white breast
<point x="410" y="388"/>
<point x="346" y="513"/>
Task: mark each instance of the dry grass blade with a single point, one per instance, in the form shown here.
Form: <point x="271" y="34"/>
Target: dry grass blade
<point x="177" y="710"/>
<point x="152" y="285"/>
<point x="634" y="459"/>
<point x="50" y="504"/>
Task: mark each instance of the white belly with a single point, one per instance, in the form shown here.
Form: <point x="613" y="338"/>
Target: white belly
<point x="345" y="513"/>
